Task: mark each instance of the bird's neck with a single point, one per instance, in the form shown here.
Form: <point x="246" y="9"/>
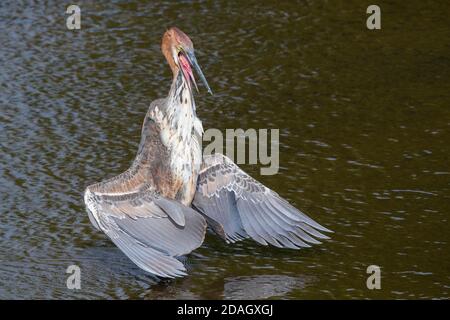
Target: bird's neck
<point x="182" y="135"/>
<point x="180" y="112"/>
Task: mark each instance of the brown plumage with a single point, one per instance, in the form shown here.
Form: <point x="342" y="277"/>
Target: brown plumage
<point x="159" y="208"/>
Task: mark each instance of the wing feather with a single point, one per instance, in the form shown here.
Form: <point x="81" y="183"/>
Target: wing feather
<point x="242" y="208"/>
<point x="151" y="230"/>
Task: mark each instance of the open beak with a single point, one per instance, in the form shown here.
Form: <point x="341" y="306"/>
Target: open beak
<point x="188" y="59"/>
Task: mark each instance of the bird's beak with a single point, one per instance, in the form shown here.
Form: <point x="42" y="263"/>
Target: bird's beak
<point x="193" y="62"/>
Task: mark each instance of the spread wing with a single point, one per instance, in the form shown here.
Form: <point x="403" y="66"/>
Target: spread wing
<point x="151" y="230"/>
<point x="237" y="206"/>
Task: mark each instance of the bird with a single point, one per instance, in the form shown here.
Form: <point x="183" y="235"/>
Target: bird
<point x="159" y="209"/>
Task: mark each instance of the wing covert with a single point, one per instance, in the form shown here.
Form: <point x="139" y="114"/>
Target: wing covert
<point x="151" y="230"/>
<point x="241" y="207"/>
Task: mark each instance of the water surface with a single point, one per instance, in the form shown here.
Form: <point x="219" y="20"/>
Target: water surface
<point x="364" y="125"/>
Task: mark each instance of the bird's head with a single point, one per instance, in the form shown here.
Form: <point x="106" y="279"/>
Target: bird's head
<point x="179" y="52"/>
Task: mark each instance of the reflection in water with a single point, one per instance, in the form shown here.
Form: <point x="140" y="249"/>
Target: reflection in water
<point x="262" y="286"/>
<point x="233" y="288"/>
<point x="363" y="122"/>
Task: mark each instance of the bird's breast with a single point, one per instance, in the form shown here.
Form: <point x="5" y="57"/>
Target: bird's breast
<point x="183" y="142"/>
<point x="186" y="159"/>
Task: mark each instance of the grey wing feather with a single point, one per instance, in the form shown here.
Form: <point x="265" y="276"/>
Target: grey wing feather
<point x="147" y="258"/>
<point x="241" y="207"/>
<point x="151" y="230"/>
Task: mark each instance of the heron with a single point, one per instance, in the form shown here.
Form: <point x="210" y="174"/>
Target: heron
<point x="159" y="209"/>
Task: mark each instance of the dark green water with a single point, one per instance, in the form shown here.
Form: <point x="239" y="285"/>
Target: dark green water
<point x="364" y="125"/>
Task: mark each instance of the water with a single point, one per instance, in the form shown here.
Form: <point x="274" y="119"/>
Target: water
<point x="364" y="125"/>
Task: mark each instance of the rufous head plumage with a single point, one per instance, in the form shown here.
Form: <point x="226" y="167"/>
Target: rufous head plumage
<point x="178" y="50"/>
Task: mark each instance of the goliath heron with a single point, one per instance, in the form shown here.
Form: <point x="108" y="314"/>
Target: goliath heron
<point x="160" y="207"/>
